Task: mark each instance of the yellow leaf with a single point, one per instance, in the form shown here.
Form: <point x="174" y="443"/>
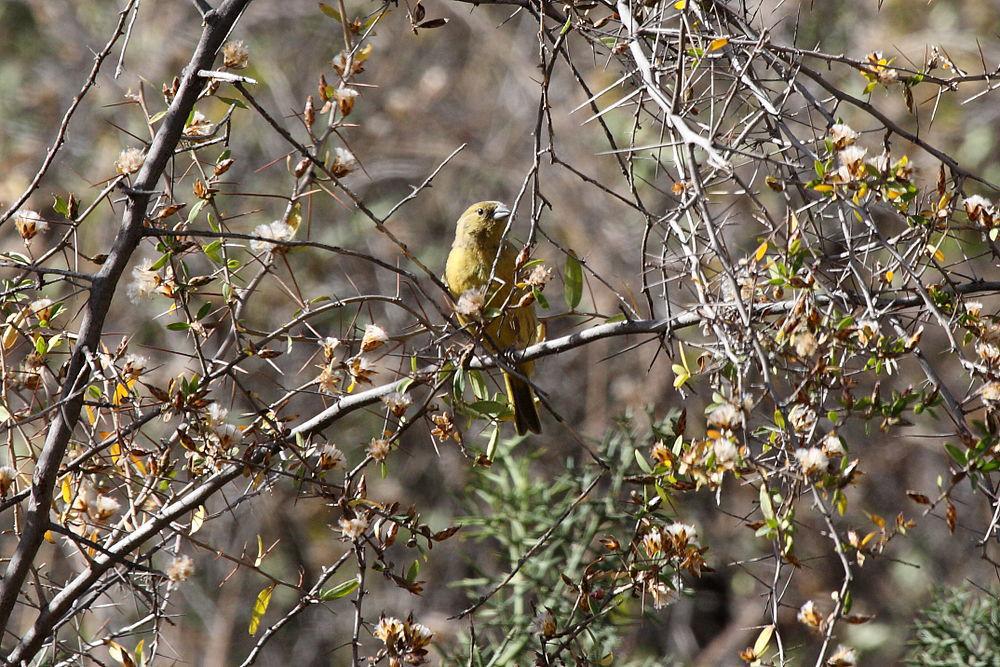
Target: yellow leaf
<point x="120" y="654"/>
<point x="682" y="375"/>
<point x="49" y="537"/>
<point x="197" y="519"/>
<point x="139" y="465"/>
<point x="760" y="251"/>
<point x="116" y="452"/>
<point x="938" y="255"/>
<point x="718" y="44"/>
<point x="889" y="275"/>
<point x="91" y="417"/>
<point x="823" y="187"/>
<point x="9" y="336"/>
<point x="680" y="4"/>
<point x="67" y="492"/>
<point x="121" y="392"/>
<point x="763" y="639"/>
<point x="260" y="608"/>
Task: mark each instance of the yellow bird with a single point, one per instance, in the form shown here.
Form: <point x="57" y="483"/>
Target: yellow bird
<point x="478" y="246"/>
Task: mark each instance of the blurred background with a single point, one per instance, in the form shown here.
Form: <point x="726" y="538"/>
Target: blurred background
<point x="474" y="81"/>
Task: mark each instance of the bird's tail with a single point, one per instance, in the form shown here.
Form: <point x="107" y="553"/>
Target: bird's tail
<point x="522" y="400"/>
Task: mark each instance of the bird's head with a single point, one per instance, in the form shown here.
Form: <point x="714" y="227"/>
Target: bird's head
<point x="484" y="219"/>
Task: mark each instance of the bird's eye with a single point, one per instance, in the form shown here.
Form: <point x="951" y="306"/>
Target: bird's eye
<point x="480" y="211"/>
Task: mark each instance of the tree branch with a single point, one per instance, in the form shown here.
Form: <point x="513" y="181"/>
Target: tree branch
<point x="101" y="294"/>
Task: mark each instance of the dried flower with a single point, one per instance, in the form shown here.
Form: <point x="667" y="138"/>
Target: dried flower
<point x="444" y="427"/>
<point x="216" y="414"/>
<point x="471" y="303"/>
<point x="388" y="630"/>
<point x="330" y="457"/>
<point x="842" y="136"/>
<point x="867" y="331"/>
<point x="725" y="415"/>
<point x="353" y="529"/>
<point x="973" y="308"/>
<point x="41" y="309"/>
<point x="345" y="98"/>
<point x="329" y="345"/>
<point x="805" y="344"/>
<point x="809" y="617"/>
<point x="397" y="402"/>
<point x="539" y="277"/>
<point x="844" y="656"/>
<point x="990" y="393"/>
<point x="989" y="353"/>
<point x="277" y="230"/>
<point x="375" y="336"/>
<point x="652" y="542"/>
<point x="852" y="163"/>
<point x="103" y="507"/>
<point x="130" y="161"/>
<point x="180" y="569"/>
<point x="328" y="379"/>
<point x="361" y="368"/>
<point x="144" y="281"/>
<point x="198" y="126"/>
<point x="29" y="224"/>
<point x="344" y="162"/>
<point x="662" y="594"/>
<point x="725" y="451"/>
<point x="980" y="209"/>
<point x="235" y="55"/>
<point x="802" y="418"/>
<point x="379" y="448"/>
<point x="661" y="453"/>
<point x="420" y="635"/>
<point x="812" y="460"/>
<point x="134" y="365"/>
<point x="7" y="477"/>
<point x="832" y="445"/>
<point x="683" y="534"/>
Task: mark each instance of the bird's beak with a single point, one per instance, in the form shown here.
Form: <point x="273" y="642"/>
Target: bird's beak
<point x="500" y="212"/>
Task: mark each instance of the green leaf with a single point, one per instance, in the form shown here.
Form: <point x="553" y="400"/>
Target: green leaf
<point x="205" y="309"/>
<point x="331" y="12"/>
<point x="234" y="102"/>
<point x="620" y="317"/>
<point x="213" y="250"/>
<point x="40" y="346"/>
<point x="343" y="589"/>
<point x="572" y="281"/>
<point x="479" y="387"/>
<point x="955" y="453"/>
<point x="413" y="571"/>
<point x="195" y="210"/>
<point x="540" y="298"/>
<point x="157" y="117"/>
<point x="491" y="448"/>
<point x="259" y="609"/>
<point x="160" y="263"/>
<point x="178" y="326"/>
<point x="61" y="206"/>
<point x="641" y="460"/>
<point x="766" y="508"/>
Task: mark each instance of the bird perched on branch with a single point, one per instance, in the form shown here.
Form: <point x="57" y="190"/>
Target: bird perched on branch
<point x="501" y="314"/>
